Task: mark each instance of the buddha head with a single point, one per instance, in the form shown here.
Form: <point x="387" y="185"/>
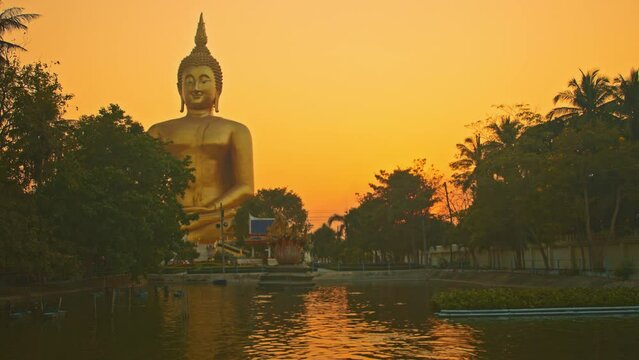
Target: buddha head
<point x="199" y="77"/>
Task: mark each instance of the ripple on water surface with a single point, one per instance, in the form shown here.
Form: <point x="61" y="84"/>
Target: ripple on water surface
<point x="357" y="321"/>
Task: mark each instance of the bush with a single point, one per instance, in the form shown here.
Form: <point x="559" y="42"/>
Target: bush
<point x="475" y="299"/>
<point x="625" y="270"/>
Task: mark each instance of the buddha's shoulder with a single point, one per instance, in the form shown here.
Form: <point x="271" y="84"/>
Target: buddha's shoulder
<point x="232" y="124"/>
<point x="163" y="126"/>
<point x="171" y="126"/>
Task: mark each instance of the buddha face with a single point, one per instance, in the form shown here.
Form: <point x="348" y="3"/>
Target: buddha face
<point x="198" y="88"/>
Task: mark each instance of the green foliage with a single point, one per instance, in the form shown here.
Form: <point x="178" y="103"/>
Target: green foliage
<point x="185" y="252"/>
<point x="390" y="221"/>
<point x="113" y="203"/>
<point x="32" y="139"/>
<point x="505" y="298"/>
<point x="534" y="181"/>
<point x="626" y="95"/>
<point x="31" y="131"/>
<point x="266" y="204"/>
<point x="94" y="196"/>
<point x="625" y="270"/>
<point x="326" y="245"/>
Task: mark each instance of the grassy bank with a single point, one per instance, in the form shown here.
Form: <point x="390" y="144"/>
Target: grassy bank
<point x="505" y="298"/>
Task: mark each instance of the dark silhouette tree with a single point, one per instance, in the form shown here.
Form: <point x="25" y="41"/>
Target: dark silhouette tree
<point x="466" y="169"/>
<point x="589" y="96"/>
<point x="627" y="98"/>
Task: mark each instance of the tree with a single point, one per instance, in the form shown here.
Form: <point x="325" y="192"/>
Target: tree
<point x="505" y="132"/>
<point x="589" y="96"/>
<point x="367" y="235"/>
<point x="32" y="132"/>
<point x="113" y="202"/>
<point x="19" y="244"/>
<point x="627" y="98"/>
<point x="12" y="19"/>
<point x="267" y="203"/>
<point x="341" y="229"/>
<point x="389" y="218"/>
<point x="471" y="154"/>
<point x="511" y="209"/>
<point x="32" y="139"/>
<point x="591" y="144"/>
<point x="326" y="244"/>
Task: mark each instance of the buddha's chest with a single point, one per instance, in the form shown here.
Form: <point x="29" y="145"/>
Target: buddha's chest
<point x="205" y="139"/>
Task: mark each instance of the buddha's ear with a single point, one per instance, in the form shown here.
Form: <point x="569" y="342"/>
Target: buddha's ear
<point x="215" y="103"/>
<point x="181" y="98"/>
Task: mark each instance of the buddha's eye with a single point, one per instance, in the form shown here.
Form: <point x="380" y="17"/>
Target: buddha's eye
<point x="189" y="80"/>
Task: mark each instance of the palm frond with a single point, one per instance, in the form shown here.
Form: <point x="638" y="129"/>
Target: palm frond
<point x="565" y="95"/>
<point x="14" y="19"/>
<point x="4" y="45"/>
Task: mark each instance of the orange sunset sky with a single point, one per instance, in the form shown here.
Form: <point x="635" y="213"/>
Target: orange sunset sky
<point x="333" y="90"/>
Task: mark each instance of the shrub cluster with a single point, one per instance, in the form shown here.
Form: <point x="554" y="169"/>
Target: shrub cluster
<point x="505" y="298"/>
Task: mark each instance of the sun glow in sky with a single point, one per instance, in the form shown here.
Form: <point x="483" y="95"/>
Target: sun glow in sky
<point x="335" y="90"/>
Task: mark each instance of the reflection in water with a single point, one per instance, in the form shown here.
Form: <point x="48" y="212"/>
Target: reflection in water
<point x="324" y="324"/>
<point x="356" y="321"/>
<point x="449" y="340"/>
<point x="207" y="322"/>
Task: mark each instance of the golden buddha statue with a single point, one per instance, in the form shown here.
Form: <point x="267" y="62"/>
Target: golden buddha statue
<point x="220" y="149"/>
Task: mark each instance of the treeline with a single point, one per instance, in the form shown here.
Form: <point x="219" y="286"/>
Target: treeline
<point x="523" y="181"/>
<point x="572" y="174"/>
<point x="81" y="198"/>
<point x="393" y="222"/>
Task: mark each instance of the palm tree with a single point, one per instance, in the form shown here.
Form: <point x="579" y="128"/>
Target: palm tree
<point x="504" y="136"/>
<point x="471" y="154"/>
<point x="12" y="19"/>
<point x="627" y="98"/>
<point x="591" y="95"/>
<point x="505" y="132"/>
<point x="341" y="229"/>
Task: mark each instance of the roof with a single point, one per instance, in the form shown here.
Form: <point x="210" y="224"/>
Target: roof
<point x="259" y="226"/>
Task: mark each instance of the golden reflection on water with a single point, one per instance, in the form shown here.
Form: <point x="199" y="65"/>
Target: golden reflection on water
<point x="376" y="320"/>
<point x="448" y="340"/>
<point x="326" y="323"/>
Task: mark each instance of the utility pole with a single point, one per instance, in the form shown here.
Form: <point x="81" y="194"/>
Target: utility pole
<point x="450" y="215"/>
<point x="450" y="211"/>
<point x="221" y="226"/>
<point x="425" y="252"/>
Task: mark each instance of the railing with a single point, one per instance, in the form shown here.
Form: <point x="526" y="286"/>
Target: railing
<point x="227" y="269"/>
<point x="369" y="266"/>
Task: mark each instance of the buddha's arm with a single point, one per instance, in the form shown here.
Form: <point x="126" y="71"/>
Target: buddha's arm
<point x="154" y="132"/>
<point x="241" y="148"/>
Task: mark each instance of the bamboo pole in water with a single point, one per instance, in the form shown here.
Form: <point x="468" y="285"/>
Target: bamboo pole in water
<point x="113" y="301"/>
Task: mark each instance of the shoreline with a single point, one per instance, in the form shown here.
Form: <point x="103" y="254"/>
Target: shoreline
<point x="482" y="278"/>
<point x="485" y="278"/>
